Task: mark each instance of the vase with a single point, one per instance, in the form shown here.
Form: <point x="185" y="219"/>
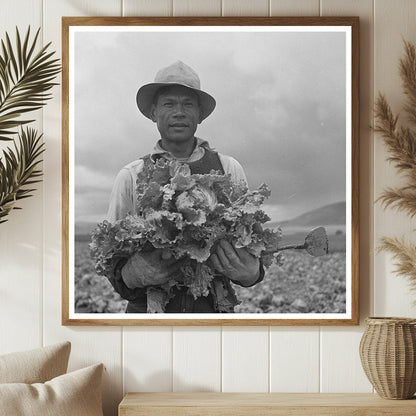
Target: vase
<point x="388" y="356"/>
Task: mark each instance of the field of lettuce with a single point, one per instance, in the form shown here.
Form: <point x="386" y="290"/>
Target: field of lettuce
<point x="303" y="284"/>
<point x="93" y="293"/>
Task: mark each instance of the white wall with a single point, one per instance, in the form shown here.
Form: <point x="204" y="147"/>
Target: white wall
<point x="261" y="359"/>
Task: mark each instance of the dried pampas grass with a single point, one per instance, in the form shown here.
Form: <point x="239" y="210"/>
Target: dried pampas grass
<point x="405" y="255"/>
<point x="401" y="143"/>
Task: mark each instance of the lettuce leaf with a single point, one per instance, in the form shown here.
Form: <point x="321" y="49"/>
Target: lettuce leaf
<point x="187" y="214"/>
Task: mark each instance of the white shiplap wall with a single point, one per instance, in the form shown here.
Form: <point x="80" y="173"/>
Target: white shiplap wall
<point x="260" y="359"/>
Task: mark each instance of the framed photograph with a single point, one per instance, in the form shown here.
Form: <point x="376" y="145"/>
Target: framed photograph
<point x="210" y="171"/>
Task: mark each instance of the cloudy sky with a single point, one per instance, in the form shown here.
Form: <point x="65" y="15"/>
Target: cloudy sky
<point x="280" y="110"/>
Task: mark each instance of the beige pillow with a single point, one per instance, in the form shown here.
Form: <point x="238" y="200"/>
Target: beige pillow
<point x="35" y="366"/>
<point x="73" y="394"/>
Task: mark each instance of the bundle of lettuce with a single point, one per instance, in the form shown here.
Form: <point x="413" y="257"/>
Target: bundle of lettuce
<point x="187" y="214"/>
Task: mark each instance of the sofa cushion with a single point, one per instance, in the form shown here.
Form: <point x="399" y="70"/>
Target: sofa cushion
<point x="35" y="366"/>
<point x="73" y="394"/>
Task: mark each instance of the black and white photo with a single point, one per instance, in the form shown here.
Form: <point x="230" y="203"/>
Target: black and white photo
<point x="211" y="173"/>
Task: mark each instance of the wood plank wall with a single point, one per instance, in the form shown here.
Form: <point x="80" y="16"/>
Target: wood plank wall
<point x="259" y="359"/>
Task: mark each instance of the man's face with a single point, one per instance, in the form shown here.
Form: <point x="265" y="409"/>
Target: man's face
<point x="177" y="114"/>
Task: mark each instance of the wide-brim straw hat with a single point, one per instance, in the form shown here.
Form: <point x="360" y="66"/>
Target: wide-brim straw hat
<point x="176" y="74"/>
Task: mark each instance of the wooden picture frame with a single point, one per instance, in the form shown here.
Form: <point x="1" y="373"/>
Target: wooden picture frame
<point x="295" y="78"/>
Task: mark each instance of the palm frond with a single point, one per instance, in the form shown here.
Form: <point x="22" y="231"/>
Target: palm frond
<point x="19" y="168"/>
<point x="25" y="79"/>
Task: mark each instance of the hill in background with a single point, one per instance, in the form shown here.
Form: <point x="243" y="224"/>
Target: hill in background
<point x="83" y="230"/>
<point x="332" y="214"/>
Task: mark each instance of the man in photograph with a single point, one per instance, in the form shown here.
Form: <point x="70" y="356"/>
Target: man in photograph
<point x="176" y="104"/>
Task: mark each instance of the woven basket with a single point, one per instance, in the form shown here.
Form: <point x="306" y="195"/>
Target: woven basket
<point x="388" y="356"/>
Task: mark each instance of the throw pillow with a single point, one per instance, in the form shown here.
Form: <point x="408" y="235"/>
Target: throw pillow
<point x="35" y="366"/>
<point x="73" y="394"/>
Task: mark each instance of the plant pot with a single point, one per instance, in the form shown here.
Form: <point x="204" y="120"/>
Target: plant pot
<point x="388" y="356"/>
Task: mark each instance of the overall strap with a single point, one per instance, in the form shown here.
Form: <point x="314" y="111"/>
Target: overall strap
<point x="210" y="161"/>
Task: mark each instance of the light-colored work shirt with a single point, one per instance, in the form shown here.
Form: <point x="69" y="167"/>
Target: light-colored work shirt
<point x="123" y="195"/>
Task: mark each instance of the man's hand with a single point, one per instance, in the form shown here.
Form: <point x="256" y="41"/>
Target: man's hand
<point x="149" y="268"/>
<point x="235" y="263"/>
